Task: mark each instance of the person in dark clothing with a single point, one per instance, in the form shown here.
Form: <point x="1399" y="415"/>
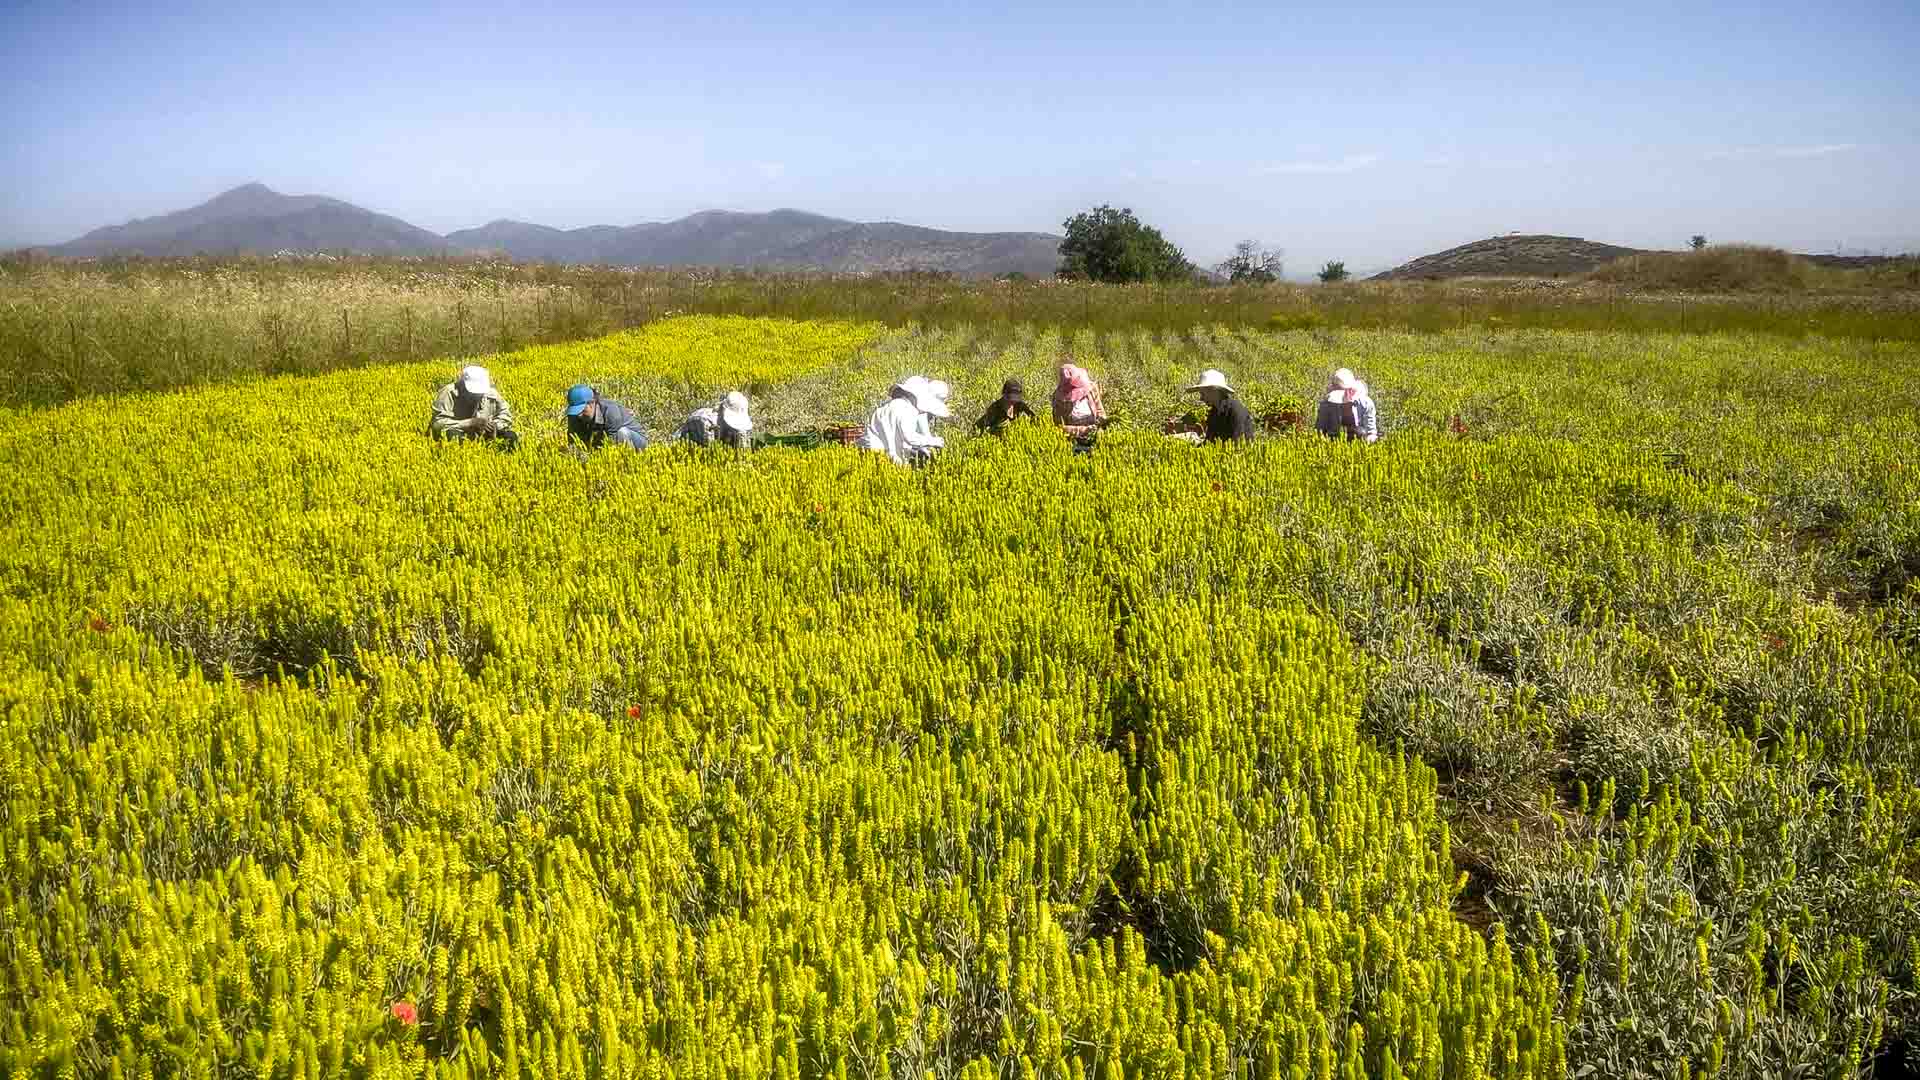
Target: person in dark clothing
<point x="1227" y="418"/>
<point x="1010" y="406"/>
<point x="1347" y="411"/>
<point x="593" y="420"/>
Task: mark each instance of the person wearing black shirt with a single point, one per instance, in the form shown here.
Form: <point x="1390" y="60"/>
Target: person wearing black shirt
<point x="1227" y="418"/>
<point x="1010" y="406"/>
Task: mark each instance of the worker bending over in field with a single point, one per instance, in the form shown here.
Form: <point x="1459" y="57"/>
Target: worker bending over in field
<point x="1227" y="418"/>
<point x="470" y="408"/>
<point x="1011" y="405"/>
<point x="727" y="423"/>
<point x="900" y="428"/>
<point x="1077" y="407"/>
<point x="1347" y="412"/>
<point x="594" y="419"/>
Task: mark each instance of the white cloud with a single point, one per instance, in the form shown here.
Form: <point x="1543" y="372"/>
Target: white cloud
<point x="1350" y="163"/>
<point x="1783" y="152"/>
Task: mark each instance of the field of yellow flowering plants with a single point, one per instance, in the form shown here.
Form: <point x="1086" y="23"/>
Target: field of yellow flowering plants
<point x="1571" y="730"/>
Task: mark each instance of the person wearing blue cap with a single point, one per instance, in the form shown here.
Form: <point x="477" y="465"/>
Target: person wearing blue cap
<point x="593" y="419"/>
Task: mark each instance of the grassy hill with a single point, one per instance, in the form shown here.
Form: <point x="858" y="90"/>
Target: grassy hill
<point x="1719" y="267"/>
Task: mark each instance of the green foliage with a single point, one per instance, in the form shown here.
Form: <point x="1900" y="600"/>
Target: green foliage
<point x="1114" y="247"/>
<point x="328" y="749"/>
<point x="1699" y="241"/>
<point x="1334" y="270"/>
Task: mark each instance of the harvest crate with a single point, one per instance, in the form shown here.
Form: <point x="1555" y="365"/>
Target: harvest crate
<point x="806" y="440"/>
<point x="844" y="434"/>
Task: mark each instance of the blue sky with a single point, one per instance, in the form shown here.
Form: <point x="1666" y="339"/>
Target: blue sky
<point x="1369" y="133"/>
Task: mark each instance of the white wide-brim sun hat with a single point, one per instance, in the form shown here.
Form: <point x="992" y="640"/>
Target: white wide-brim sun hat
<point x="475" y="380"/>
<point x="734" y="412"/>
<point x="938" y="394"/>
<point x="1212" y="378"/>
<point x="921" y="390"/>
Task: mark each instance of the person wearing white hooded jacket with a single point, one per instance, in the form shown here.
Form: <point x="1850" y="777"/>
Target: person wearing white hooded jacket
<point x="900" y="429"/>
<point x="1347" y="410"/>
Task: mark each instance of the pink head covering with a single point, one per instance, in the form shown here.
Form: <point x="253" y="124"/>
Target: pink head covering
<point x="1344" y="387"/>
<point x="1075" y="383"/>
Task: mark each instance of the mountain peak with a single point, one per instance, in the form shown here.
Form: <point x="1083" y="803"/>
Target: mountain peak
<point x="254" y="217"/>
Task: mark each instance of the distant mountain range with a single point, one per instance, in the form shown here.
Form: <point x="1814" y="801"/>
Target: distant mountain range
<point x="256" y="219"/>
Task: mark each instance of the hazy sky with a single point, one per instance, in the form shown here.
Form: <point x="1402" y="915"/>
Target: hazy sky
<point x="1368" y="132"/>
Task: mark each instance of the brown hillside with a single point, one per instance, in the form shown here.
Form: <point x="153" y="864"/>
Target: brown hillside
<point x="1565" y="256"/>
<point x="1511" y="256"/>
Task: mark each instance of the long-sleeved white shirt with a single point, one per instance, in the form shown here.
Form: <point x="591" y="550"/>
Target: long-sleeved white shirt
<point x="896" y="429"/>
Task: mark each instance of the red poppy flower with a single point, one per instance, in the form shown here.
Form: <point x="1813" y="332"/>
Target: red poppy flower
<point x="818" y="509"/>
<point x="404" y="1012"/>
<point x="98" y="625"/>
<point x="633" y="711"/>
<point x="1776" y="642"/>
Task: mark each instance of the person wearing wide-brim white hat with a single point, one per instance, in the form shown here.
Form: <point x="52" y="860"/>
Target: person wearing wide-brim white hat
<point x="1346" y="411"/>
<point x="936" y="405"/>
<point x="1227" y="418"/>
<point x="728" y="423"/>
<point x="470" y="407"/>
<point x="899" y="428"/>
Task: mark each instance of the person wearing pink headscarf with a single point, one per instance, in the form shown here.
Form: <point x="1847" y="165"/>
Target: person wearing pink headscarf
<point x="1076" y="403"/>
<point x="1347" y="411"/>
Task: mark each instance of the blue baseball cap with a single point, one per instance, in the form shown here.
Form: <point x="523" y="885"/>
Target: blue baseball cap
<point x="579" y="398"/>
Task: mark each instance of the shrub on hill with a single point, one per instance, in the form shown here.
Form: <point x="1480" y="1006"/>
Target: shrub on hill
<point x="1721" y="268"/>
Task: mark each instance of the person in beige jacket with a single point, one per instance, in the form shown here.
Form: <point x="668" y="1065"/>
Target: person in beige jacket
<point x="470" y="408"/>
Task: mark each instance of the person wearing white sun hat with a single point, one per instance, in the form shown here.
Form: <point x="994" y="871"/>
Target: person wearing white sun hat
<point x="937" y="390"/>
<point x="1347" y="411"/>
<point x="728" y="423"/>
<point x="470" y="407"/>
<point x="900" y="427"/>
<point x="1227" y="418"/>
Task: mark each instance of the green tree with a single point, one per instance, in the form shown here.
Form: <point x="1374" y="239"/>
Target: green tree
<point x="1251" y="264"/>
<point x="1699" y="241"/>
<point x="1333" y="271"/>
<point x="1108" y="245"/>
